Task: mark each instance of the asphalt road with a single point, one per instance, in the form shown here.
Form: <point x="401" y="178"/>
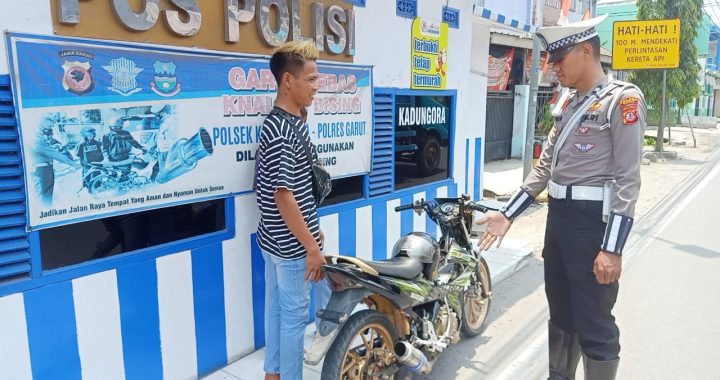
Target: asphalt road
<point x="668" y="309"/>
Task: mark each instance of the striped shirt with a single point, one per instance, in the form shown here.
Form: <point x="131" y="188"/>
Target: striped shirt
<point x="283" y="164"/>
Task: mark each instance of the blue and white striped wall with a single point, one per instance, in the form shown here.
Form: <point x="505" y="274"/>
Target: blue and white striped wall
<point x="186" y="314"/>
<point x="178" y="316"/>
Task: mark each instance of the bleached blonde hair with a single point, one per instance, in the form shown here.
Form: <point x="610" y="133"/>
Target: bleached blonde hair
<point x="291" y="57"/>
<point x="303" y="49"/>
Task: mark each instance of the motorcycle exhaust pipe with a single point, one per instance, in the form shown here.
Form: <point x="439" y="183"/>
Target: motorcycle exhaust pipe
<point x="184" y="155"/>
<point x="412" y="358"/>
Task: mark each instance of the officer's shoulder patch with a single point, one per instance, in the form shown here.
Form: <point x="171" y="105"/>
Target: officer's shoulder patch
<point x="629" y="109"/>
<point x="629" y="100"/>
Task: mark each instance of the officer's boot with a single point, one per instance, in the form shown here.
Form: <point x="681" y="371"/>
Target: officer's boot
<point x="564" y="353"/>
<point x="600" y="369"/>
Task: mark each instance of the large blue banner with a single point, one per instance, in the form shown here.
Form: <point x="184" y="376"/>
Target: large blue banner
<point x="111" y="128"/>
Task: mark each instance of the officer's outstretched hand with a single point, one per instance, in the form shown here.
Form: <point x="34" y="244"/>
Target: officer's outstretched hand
<point x="497" y="226"/>
<point x="607" y="267"/>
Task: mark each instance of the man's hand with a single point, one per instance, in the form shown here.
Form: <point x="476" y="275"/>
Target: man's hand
<point x="497" y="226"/>
<point x="314" y="260"/>
<point x="607" y="267"/>
<point x="290" y="212"/>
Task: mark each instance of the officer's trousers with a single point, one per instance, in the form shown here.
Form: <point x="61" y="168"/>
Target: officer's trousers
<point x="578" y="303"/>
<point x="45" y="183"/>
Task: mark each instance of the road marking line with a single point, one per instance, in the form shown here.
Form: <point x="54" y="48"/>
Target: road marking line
<point x="527" y="359"/>
<point x="646" y="240"/>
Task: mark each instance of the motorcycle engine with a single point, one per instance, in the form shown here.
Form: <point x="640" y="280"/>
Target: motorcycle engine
<point x="442" y="321"/>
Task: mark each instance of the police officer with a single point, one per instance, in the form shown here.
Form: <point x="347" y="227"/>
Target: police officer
<point x="592" y="160"/>
<point x="118" y="144"/>
<point x="90" y="150"/>
<point x="46" y="151"/>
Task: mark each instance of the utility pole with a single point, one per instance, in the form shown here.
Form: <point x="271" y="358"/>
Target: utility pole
<point x="660" y="131"/>
<point x="532" y="98"/>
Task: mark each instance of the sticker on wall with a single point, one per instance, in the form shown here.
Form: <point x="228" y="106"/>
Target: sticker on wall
<point x="117" y="149"/>
<point x="429" y="54"/>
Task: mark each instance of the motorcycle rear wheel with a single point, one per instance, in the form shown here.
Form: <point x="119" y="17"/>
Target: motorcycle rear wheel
<point x="476" y="302"/>
<point x="355" y="353"/>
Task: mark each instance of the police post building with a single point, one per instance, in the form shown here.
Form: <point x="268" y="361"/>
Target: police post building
<point x="127" y="138"/>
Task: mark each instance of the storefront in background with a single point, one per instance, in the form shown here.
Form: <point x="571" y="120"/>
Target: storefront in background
<point x="135" y="257"/>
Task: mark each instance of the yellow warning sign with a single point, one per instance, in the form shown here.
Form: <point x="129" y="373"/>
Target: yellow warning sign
<point x="651" y="44"/>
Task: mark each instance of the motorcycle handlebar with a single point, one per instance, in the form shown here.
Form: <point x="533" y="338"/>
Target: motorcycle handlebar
<point x="481" y="207"/>
<point x="476" y="207"/>
<point x="404" y="207"/>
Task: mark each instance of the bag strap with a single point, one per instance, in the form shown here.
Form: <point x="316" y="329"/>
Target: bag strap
<point x="303" y="141"/>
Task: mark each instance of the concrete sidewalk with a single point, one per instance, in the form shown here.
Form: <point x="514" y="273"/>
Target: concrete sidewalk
<point x="502" y="178"/>
<point x="503" y="262"/>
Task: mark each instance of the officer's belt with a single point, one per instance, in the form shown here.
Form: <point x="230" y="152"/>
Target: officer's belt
<point x="577" y="193"/>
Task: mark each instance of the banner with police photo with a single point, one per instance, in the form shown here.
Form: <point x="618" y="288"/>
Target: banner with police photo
<point x="110" y="128"/>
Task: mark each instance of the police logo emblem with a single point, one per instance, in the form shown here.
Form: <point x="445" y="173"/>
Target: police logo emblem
<point x="584" y="148"/>
<point x="165" y="81"/>
<point x="124" y="72"/>
<point x="629" y="106"/>
<point x="77" y="78"/>
<point x="630" y="117"/>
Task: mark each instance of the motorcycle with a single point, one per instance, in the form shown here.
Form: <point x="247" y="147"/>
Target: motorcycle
<point x="416" y="303"/>
<point x="120" y="176"/>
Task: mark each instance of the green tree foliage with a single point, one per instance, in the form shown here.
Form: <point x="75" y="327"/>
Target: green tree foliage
<point x="681" y="82"/>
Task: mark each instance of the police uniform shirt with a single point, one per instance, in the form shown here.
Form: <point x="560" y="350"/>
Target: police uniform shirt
<point x="605" y="145"/>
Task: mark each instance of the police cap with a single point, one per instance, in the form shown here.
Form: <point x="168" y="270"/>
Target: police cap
<point x="559" y="40"/>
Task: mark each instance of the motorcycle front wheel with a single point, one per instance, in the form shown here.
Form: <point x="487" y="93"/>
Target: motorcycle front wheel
<point x="100" y="183"/>
<point x="362" y="348"/>
<point x="476" y="301"/>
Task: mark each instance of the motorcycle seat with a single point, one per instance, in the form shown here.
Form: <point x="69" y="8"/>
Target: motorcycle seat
<point x="399" y="266"/>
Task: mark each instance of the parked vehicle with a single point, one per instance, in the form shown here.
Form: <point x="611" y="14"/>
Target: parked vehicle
<point x="419" y="142"/>
<point x="121" y="176"/>
<point x="417" y="302"/>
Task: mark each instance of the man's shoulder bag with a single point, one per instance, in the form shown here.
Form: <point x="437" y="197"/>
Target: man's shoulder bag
<point x="321" y="182"/>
